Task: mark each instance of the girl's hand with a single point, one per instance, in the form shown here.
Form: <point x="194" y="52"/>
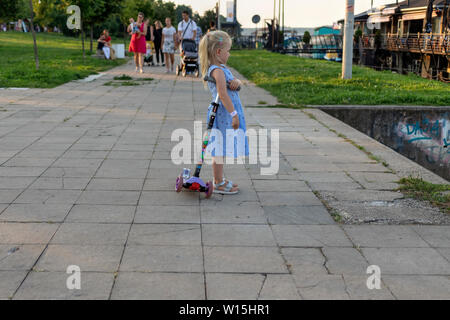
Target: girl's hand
<point x="235" y="122"/>
<point x="235" y="84"/>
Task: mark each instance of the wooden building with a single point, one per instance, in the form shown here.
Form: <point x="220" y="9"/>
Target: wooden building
<point x="398" y="37"/>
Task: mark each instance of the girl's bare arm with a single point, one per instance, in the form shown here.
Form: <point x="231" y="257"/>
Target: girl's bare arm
<point x="145" y="30"/>
<point x="221" y="85"/>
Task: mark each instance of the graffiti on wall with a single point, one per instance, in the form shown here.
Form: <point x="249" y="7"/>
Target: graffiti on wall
<point x="430" y="135"/>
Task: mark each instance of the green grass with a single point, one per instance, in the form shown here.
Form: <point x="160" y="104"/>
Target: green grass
<point x="437" y="194"/>
<point x="61" y="60"/>
<point x="302" y="81"/>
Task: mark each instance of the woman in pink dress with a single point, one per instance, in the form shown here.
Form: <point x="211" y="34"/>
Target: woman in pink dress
<point x="138" y="43"/>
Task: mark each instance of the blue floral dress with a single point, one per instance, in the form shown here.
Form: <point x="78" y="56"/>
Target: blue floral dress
<point x="224" y="140"/>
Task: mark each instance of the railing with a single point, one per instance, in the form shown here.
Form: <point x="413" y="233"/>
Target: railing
<point x="417" y="42"/>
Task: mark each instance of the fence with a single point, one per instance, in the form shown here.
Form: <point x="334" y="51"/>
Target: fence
<point x="418" y="42"/>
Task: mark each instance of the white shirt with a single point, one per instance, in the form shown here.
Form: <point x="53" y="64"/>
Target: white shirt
<point x="168" y="33"/>
<point x="190" y="30"/>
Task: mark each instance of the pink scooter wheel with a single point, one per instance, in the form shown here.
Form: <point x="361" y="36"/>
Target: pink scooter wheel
<point x="210" y="187"/>
<point x="179" y="184"/>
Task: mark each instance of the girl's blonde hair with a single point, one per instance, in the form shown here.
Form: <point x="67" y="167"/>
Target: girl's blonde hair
<point x="208" y="45"/>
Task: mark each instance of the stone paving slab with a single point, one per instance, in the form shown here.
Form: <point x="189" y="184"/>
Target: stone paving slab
<point x="154" y="286"/>
<point x="165" y="234"/>
<point x="97" y="258"/>
<point x="21" y="260"/>
<point x="419" y="287"/>
<point x="86" y="179"/>
<point x="86" y="213"/>
<point x="52" y="286"/>
<point x="11" y="280"/>
<point x="250" y="287"/>
<point x="163" y="259"/>
<point x="401" y="261"/>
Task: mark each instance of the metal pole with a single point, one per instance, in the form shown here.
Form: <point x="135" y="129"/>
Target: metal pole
<point x="219" y="25"/>
<point x="217" y="15"/>
<point x="273" y="22"/>
<point x="348" y="39"/>
<point x="274" y="9"/>
<point x="279" y="11"/>
<point x="283" y="17"/>
<point x="235" y="18"/>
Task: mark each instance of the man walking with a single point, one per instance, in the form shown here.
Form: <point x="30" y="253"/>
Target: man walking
<point x="187" y="28"/>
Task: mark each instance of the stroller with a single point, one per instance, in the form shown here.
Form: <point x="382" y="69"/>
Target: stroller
<point x="148" y="57"/>
<point x="189" y="58"/>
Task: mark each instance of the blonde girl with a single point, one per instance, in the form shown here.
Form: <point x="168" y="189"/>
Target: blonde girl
<point x="230" y="121"/>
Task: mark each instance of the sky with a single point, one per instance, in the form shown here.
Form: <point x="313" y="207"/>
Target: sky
<point x="298" y="13"/>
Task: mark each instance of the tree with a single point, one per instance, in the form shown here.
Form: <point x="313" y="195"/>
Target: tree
<point x="306" y="37"/>
<point x="101" y="11"/>
<point x="165" y="10"/>
<point x="9" y="9"/>
<point x="14" y="9"/>
<point x="204" y="21"/>
<point x="51" y="13"/>
<point x="179" y="11"/>
<point x="33" y="32"/>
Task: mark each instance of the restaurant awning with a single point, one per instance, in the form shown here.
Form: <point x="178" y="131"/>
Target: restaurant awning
<point x="416" y="16"/>
<point x="378" y="19"/>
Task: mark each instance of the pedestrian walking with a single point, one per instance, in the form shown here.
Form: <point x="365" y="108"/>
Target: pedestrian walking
<point x="187" y="28"/>
<point x="169" y="36"/>
<point x="138" y="44"/>
<point x="157" y="34"/>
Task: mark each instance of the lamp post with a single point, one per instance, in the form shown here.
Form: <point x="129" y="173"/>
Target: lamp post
<point x="219" y="25"/>
<point x="348" y="39"/>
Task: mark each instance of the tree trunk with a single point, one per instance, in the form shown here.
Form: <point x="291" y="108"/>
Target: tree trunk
<point x="92" y="36"/>
<point x="36" y="56"/>
<point x="125" y="37"/>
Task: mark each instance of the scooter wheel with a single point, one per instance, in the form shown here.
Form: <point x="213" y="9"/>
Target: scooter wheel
<point x="210" y="187"/>
<point x="179" y="184"/>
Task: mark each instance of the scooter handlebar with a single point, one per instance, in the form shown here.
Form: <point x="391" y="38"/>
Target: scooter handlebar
<point x="212" y="80"/>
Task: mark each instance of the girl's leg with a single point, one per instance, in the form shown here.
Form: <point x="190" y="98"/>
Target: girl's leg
<point x="167" y="60"/>
<point x="107" y="52"/>
<point x="157" y="53"/>
<point x="136" y="60"/>
<point x="162" y="55"/>
<point x="141" y="62"/>
<point x="172" y="60"/>
<point x="217" y="166"/>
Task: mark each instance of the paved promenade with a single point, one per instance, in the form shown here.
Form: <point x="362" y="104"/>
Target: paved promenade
<point x="86" y="179"/>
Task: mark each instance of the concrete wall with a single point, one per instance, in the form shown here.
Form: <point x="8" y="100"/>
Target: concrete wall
<point x="421" y="134"/>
